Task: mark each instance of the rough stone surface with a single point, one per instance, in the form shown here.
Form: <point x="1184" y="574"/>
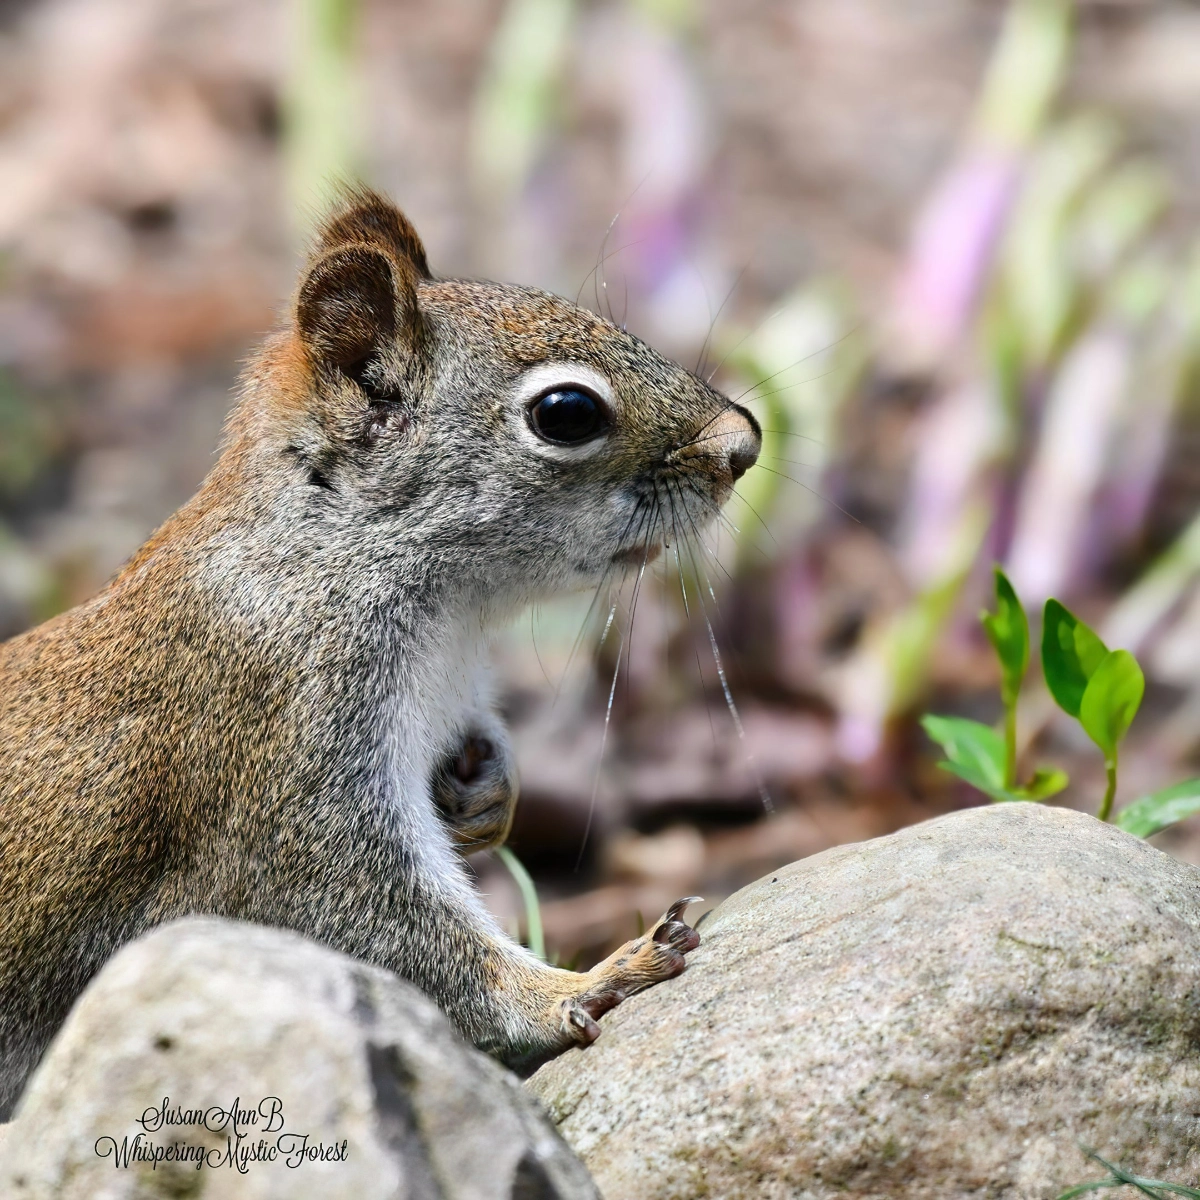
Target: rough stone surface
<point x="213" y="1014"/>
<point x="945" y="1012"/>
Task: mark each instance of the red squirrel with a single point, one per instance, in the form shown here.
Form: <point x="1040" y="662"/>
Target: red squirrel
<point x="278" y="710"/>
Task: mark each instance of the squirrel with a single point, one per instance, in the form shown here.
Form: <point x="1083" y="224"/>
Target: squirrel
<point x="278" y="710"/>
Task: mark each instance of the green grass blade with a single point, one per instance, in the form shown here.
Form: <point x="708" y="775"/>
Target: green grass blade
<point x="1148" y="1187"/>
<point x="1083" y="1188"/>
<point x="533" y="910"/>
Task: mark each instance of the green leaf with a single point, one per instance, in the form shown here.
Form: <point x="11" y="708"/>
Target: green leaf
<point x="1155" y="812"/>
<point x="1008" y="631"/>
<point x="974" y="752"/>
<point x="1111" y="699"/>
<point x="1071" y="652"/>
<point x="1046" y="782"/>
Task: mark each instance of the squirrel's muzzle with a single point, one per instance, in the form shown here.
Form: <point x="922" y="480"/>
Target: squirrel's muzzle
<point x="729" y="445"/>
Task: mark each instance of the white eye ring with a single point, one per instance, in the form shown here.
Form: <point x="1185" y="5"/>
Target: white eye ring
<point x="560" y="376"/>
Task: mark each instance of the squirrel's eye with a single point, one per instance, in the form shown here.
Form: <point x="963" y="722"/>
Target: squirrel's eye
<point x="568" y="416"/>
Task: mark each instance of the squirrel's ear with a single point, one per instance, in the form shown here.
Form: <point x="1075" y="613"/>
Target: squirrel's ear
<point x="353" y="301"/>
<point x="366" y="218"/>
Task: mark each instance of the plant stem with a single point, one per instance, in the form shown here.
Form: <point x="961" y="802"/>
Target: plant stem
<point x="1010" y="745"/>
<point x="1110" y="770"/>
<point x="533" y="910"/>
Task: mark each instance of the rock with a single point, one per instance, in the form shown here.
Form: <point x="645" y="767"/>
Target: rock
<point x="946" y="1012"/>
<point x="220" y="1016"/>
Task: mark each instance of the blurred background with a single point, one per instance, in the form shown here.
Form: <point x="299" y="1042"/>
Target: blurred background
<point x="948" y="251"/>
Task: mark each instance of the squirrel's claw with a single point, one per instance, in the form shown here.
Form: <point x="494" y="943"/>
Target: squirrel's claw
<point x="675" y="912"/>
<point x="578" y="1024"/>
<point x="673" y="931"/>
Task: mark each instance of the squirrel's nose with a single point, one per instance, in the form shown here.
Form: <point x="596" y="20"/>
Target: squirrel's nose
<point x="741" y="459"/>
<point x="743" y="440"/>
<point x="734" y="436"/>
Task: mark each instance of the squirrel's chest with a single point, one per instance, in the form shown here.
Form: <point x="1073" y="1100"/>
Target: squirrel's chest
<point x="443" y="688"/>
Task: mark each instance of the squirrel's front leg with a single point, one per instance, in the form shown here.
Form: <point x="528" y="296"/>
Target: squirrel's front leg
<point x="475" y="785"/>
<point x="519" y="1009"/>
<point x="570" y="1003"/>
<point x="409" y="906"/>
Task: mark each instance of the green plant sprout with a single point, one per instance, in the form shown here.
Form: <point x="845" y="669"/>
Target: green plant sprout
<point x="1101" y="688"/>
<point x="1008" y="631"/>
<point x="1118" y="1177"/>
<point x="976" y="752"/>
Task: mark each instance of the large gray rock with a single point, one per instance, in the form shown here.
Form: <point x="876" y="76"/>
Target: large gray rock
<point x="208" y="1015"/>
<point x="946" y="1012"/>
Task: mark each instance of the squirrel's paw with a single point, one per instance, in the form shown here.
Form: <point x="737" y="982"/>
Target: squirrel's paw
<point x="657" y="955"/>
<point x="475" y="789"/>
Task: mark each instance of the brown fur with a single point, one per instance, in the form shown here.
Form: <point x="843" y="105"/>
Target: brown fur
<point x="272" y="712"/>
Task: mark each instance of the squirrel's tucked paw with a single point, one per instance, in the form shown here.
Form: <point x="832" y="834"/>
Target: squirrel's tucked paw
<point x="475" y="788"/>
<point x="637" y="965"/>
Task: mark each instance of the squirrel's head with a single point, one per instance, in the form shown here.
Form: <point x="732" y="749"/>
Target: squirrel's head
<point x="518" y="442"/>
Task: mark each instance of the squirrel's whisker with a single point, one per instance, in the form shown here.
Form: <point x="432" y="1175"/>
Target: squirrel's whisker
<point x="645" y="522"/>
<point x="803" y="359"/>
<point x="813" y="491"/>
<point x="713" y="318"/>
<point x="604" y="584"/>
<point x="688" y="612"/>
<point x="735" y="715"/>
<point x="729" y="406"/>
<point x="793" y="462"/>
<point x="603" y="257"/>
<point x="753" y="510"/>
<point x="698" y="441"/>
<point x="535" y="609"/>
<point x="612" y="691"/>
<point x="716" y="512"/>
<point x="741" y="342"/>
<point x="787" y="387"/>
<point x="591" y="274"/>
